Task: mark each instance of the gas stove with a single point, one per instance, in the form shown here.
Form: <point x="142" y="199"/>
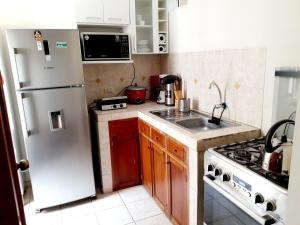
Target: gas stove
<point x="250" y="155"/>
<point x="236" y="172"/>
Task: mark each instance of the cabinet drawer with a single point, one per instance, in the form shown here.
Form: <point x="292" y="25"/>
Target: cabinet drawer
<point x="177" y="149"/>
<point x="144" y="128"/>
<point x="158" y="138"/>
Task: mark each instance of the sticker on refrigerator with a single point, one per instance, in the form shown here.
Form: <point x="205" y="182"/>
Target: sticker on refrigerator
<point x="38" y="38"/>
<point x="61" y="44"/>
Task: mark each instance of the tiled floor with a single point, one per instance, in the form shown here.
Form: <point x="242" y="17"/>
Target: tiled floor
<point x="129" y="206"/>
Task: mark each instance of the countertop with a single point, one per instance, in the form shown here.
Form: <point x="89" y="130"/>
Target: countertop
<point x="198" y="141"/>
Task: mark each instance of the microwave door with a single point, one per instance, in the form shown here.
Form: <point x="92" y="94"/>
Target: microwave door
<point x="105" y="47"/>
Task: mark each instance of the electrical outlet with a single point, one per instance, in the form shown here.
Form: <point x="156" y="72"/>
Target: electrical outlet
<point x="108" y="90"/>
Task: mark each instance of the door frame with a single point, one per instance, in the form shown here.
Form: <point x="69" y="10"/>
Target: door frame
<point x="11" y="202"/>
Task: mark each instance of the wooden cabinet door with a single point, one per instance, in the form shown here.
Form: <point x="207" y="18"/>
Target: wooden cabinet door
<point x="89" y="11"/>
<point x="178" y="189"/>
<point x="160" y="176"/>
<point x="124" y="153"/>
<point x="146" y="162"/>
<point x="116" y="12"/>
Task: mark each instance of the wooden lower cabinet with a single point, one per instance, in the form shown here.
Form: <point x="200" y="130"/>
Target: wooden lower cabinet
<point x="146" y="163"/>
<point x="124" y="143"/>
<point x="160" y="176"/>
<point x="164" y="172"/>
<point x="178" y="192"/>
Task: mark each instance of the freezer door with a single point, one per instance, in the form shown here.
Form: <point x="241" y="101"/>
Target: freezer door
<point x="51" y="60"/>
<point x="58" y="145"/>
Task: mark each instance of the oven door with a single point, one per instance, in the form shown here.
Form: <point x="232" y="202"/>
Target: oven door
<point x="222" y="208"/>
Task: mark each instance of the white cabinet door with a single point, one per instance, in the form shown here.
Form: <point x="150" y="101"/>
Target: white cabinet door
<point x="116" y="12"/>
<point x="89" y="11"/>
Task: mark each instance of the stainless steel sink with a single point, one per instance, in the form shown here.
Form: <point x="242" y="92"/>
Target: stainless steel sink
<point x="192" y="121"/>
<point x="201" y="124"/>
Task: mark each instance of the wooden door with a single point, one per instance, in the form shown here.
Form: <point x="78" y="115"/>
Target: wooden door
<point x="160" y="176"/>
<point x="11" y="204"/>
<point x="178" y="189"/>
<point x="146" y="163"/>
<point x="124" y="146"/>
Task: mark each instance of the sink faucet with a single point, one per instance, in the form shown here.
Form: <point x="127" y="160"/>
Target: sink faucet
<point x="213" y="83"/>
<point x="222" y="105"/>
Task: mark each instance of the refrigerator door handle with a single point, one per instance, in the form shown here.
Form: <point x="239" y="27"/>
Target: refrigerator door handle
<point x="13" y="58"/>
<point x="26" y="132"/>
<point x="56" y="121"/>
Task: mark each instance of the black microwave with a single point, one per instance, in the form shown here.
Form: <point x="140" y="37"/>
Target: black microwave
<point x="105" y="46"/>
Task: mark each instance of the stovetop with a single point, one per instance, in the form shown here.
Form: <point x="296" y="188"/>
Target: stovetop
<point x="250" y="155"/>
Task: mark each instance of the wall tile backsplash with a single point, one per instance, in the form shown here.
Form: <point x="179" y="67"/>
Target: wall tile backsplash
<point x="107" y="80"/>
<point x="240" y="72"/>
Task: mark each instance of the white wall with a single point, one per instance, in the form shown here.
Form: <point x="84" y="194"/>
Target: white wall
<point x="205" y="25"/>
<point x="294" y="184"/>
<point x="37" y="14"/>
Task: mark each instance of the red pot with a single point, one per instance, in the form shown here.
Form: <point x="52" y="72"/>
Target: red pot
<point x="135" y="94"/>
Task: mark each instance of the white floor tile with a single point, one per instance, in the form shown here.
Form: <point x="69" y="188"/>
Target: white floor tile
<point x="134" y="194"/>
<point x="89" y="219"/>
<point x="155" y="220"/>
<point x="107" y="201"/>
<point x="115" y="216"/>
<point x="46" y="217"/>
<point x="143" y="209"/>
<point x="76" y="209"/>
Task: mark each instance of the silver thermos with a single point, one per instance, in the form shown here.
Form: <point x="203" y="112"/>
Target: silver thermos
<point x="169" y="95"/>
<point x="169" y="81"/>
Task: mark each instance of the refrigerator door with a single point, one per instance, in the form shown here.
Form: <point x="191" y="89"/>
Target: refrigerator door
<point x="58" y="145"/>
<point x="51" y="59"/>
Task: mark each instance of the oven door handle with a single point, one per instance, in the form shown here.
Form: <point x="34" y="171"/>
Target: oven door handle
<point x="265" y="219"/>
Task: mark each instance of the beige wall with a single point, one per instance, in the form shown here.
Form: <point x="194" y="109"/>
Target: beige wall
<point x="107" y="80"/>
<point x="208" y="25"/>
<point x="240" y="72"/>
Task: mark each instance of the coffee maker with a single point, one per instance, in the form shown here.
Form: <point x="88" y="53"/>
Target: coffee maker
<point x="167" y="82"/>
<point x="161" y="98"/>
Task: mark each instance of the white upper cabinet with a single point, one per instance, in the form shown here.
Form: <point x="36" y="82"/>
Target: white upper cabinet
<point x="102" y="12"/>
<point x="116" y="12"/>
<point x="89" y="11"/>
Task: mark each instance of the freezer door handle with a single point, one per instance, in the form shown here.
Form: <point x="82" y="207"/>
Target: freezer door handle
<point x="14" y="52"/>
<point x="23" y="117"/>
<point x="56" y="121"/>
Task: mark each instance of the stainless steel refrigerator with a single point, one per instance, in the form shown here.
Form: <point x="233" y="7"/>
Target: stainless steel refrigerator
<point x="48" y="79"/>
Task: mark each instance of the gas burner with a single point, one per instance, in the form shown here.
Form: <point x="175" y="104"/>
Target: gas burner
<point x="242" y="153"/>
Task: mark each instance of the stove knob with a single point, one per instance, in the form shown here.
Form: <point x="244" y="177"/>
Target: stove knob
<point x="270" y="206"/>
<point x="210" y="168"/>
<point x="114" y="106"/>
<point x="258" y="199"/>
<point x="121" y="105"/>
<point x="218" y="172"/>
<point x="226" y="177"/>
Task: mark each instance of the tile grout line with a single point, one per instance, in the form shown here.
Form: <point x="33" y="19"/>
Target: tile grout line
<point x="126" y="208"/>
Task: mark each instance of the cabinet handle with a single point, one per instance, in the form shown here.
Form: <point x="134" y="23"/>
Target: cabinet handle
<point x="93" y="18"/>
<point x="114" y="19"/>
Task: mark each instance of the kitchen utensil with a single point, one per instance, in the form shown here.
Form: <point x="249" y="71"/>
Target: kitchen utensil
<point x="273" y="155"/>
<point x="184" y="105"/>
<point x="136" y="94"/>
